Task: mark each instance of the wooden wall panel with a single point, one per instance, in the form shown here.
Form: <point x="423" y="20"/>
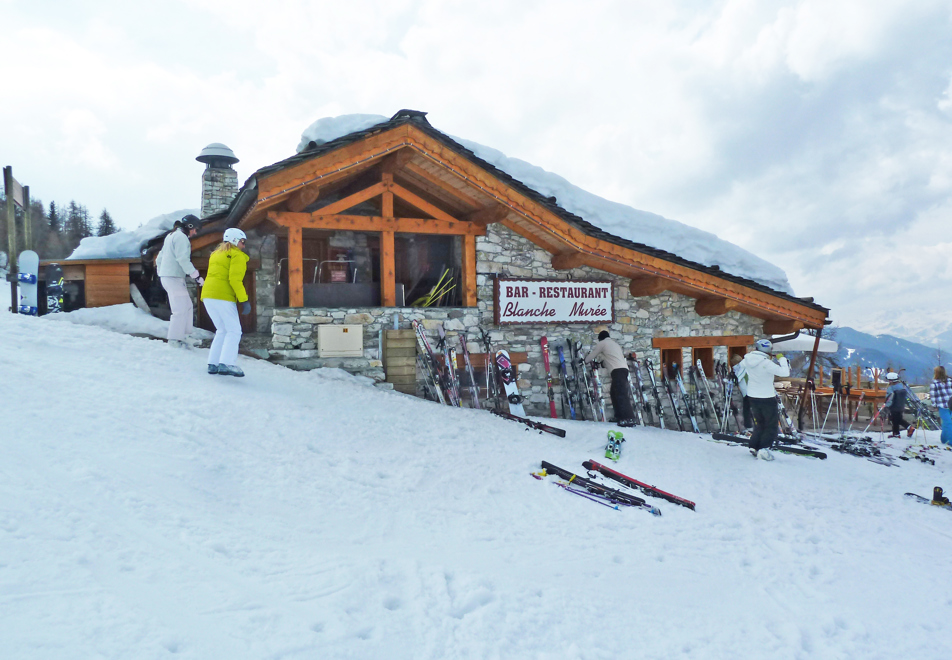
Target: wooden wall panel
<point x="107" y="284"/>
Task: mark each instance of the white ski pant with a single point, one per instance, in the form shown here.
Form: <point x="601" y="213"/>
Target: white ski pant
<point x="180" y="325"/>
<point x="224" y="314"/>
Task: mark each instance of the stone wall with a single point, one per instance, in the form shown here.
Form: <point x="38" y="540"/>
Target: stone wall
<point x="499" y="253"/>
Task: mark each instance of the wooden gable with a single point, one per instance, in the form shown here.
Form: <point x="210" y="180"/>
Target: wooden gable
<point x="422" y="185"/>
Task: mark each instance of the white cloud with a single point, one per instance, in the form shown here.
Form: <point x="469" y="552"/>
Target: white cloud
<point x="815" y="134"/>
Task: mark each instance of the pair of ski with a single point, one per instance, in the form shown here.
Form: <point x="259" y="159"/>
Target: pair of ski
<point x="593" y="490"/>
<point x="530" y="424"/>
<point x="594" y="469"/>
<point x="785" y="449"/>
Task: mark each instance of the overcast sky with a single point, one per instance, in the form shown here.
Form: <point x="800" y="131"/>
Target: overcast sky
<point x="816" y="134"/>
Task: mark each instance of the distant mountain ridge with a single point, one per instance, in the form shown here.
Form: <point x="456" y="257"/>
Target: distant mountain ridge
<point x="881" y="351"/>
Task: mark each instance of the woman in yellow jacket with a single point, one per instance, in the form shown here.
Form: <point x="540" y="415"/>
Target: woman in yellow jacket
<point x="222" y="290"/>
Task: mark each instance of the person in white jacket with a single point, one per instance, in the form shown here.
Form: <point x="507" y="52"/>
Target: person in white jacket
<point x="173" y="265"/>
<point x="613" y="359"/>
<point x="760" y="370"/>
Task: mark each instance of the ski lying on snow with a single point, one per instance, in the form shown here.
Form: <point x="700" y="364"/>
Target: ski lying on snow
<point x="786" y="449"/>
<point x="538" y="426"/>
<point x="638" y="485"/>
<point x="598" y="489"/>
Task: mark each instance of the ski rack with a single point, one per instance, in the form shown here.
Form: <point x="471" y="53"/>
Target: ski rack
<point x="538" y="426"/>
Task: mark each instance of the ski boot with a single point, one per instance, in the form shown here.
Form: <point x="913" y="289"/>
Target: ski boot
<point x="230" y="370"/>
<point x="613" y="448"/>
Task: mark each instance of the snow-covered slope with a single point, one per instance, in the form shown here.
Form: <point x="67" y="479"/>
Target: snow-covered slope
<point x="149" y="510"/>
<point x="126" y="244"/>
<point x="618" y="219"/>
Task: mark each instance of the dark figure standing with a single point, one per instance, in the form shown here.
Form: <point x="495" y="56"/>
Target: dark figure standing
<point x="760" y="370"/>
<point x="896" y="403"/>
<point x="613" y="359"/>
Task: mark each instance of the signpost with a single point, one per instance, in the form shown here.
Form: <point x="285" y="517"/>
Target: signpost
<point x="524" y="302"/>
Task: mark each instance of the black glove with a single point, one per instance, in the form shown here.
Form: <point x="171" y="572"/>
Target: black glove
<point x="245" y="308"/>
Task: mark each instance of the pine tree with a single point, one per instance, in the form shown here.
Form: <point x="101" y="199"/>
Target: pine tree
<point x="106" y="225"/>
<point x="54" y="219"/>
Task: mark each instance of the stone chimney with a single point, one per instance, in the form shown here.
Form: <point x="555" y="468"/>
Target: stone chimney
<point x="219" y="180"/>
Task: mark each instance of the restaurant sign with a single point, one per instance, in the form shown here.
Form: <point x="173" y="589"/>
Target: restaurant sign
<point x="553" y="301"/>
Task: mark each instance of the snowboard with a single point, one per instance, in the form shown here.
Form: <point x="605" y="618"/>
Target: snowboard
<point x="938" y="499"/>
<point x="509" y="385"/>
<point x="29" y="269"/>
<point x="54" y="288"/>
<point x="613" y="448"/>
<point x="137" y="298"/>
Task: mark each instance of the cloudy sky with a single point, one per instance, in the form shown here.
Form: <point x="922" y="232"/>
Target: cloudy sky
<point x="815" y="134"/>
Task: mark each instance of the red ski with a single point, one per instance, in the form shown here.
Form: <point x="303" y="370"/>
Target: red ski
<point x="634" y="483"/>
<point x="548" y="377"/>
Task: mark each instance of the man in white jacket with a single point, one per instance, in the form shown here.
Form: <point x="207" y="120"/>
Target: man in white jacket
<point x="760" y="370"/>
<point x="173" y="265"/>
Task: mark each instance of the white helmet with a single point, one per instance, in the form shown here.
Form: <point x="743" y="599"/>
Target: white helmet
<point x="892" y="376"/>
<point x="764" y="345"/>
<point x="233" y="235"/>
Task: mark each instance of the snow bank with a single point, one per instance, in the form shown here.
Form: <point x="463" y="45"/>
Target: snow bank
<point x="127" y="244"/>
<point x="126" y="318"/>
<point x="618" y="219"/>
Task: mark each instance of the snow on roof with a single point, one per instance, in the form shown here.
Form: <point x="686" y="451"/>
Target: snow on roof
<point x="623" y="221"/>
<point x="127" y="244"/>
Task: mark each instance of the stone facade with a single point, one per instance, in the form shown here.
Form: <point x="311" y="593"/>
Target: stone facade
<point x="499" y="253"/>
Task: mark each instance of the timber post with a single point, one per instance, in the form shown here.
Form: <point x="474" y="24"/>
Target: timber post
<point x="27" y="224"/>
<point x="11" y="235"/>
<point x="806" y="384"/>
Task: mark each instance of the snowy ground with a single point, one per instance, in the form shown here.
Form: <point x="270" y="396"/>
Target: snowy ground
<point x="149" y="510"/>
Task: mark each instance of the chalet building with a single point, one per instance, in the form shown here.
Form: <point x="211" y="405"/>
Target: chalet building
<point x="348" y="237"/>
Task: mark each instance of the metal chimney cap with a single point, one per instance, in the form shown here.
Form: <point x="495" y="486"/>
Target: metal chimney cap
<point x="216" y="152"/>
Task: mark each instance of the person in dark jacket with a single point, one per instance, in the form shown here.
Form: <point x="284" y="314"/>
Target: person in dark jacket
<point x="896" y="403"/>
<point x="613" y="358"/>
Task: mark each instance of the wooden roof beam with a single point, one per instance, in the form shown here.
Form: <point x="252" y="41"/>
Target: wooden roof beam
<point x="782" y="327"/>
<point x="488" y="215"/>
<point x="420" y="203"/>
<point x="303" y="198"/>
<point x="714" y="306"/>
<point x="648" y="286"/>
<point x="353" y="200"/>
<point x="396" y="161"/>
<point x="437" y="182"/>
<point x="568" y="260"/>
